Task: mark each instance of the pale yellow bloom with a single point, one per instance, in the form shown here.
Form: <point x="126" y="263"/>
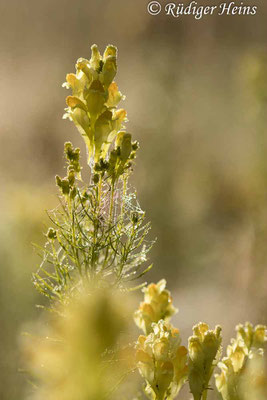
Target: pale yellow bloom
<point x="204" y="348"/>
<point x="238" y="376"/>
<point x="162" y="361"/>
<point x="93" y="104"/>
<point x="157" y="305"/>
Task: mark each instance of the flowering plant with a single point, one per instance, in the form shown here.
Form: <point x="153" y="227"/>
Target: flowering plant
<point x="97" y="245"/>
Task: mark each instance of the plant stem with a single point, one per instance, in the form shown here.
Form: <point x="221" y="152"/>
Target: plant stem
<point x="111" y="205"/>
<point x="204" y="395"/>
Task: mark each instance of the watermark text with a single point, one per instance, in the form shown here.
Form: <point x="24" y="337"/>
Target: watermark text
<point x="199" y="11"/>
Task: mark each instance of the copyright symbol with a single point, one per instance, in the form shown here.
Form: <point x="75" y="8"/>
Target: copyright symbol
<point x="154" y="8"/>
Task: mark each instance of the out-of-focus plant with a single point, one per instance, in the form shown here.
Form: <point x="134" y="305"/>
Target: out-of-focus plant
<point x="82" y="353"/>
<point x="237" y="376"/>
<point x="96" y="246"/>
<point x="254" y="383"/>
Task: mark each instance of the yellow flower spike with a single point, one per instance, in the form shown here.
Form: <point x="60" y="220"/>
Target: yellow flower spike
<point x="157" y="303"/>
<point x="162" y="361"/>
<point x="204" y="347"/>
<point x="236" y="380"/>
<point x="93" y="109"/>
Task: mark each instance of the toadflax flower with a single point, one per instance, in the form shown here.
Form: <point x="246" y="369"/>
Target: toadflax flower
<point x="93" y="109"/>
<point x="162" y="361"/>
<point x="204" y="348"/>
<point x="157" y="305"/>
<point x="243" y="351"/>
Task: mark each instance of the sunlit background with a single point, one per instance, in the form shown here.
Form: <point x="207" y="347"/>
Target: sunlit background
<point x="196" y="101"/>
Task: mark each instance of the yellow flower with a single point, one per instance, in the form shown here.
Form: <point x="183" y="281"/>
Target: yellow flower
<point x="237" y="378"/>
<point x="204" y="348"/>
<point x="157" y="305"/>
<point x="252" y="336"/>
<point x="93" y="104"/>
<point x="162" y="361"/>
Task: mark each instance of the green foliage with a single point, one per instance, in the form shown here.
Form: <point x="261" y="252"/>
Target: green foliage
<point x="98" y="235"/>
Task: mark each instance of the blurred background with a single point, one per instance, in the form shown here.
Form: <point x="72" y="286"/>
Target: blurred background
<point x="196" y="101"/>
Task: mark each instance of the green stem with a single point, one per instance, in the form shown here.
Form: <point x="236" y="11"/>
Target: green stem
<point x="204" y="395"/>
<point x="111" y="205"/>
<point x="99" y="192"/>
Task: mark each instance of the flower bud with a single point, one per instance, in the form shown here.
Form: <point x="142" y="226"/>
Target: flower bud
<point x="95" y="178"/>
<point x="110" y="51"/>
<point x="51" y="234"/>
<point x="109" y="70"/>
<point x="95" y="57"/>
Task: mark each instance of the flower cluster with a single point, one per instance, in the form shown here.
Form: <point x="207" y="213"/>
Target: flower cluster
<point x="162" y="361"/>
<point x="204" y="348"/>
<point x="157" y="305"/>
<point x="93" y="109"/>
<point x="247" y="346"/>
